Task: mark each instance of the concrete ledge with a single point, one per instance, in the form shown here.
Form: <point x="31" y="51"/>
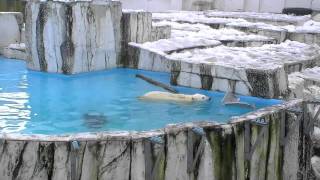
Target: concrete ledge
<point x="15" y="51"/>
<point x="229" y="37"/>
<point x="269" y="18"/>
<point x="11" y="27"/>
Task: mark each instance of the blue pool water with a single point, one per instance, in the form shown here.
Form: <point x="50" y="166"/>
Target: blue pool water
<point x="42" y="103"/>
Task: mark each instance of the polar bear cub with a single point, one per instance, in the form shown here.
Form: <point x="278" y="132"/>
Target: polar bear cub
<point x="166" y="96"/>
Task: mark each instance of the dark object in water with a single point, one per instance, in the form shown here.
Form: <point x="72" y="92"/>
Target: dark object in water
<point x="94" y="120"/>
<point x="156" y="83"/>
<point x="231" y="99"/>
<point x="297" y="11"/>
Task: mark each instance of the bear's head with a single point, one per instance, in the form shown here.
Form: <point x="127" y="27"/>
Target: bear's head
<point x="200" y="97"/>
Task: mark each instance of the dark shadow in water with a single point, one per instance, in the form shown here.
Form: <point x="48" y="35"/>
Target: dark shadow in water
<point x="94" y="120"/>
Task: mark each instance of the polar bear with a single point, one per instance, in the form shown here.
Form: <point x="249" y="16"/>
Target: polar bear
<point x="166" y="96"/>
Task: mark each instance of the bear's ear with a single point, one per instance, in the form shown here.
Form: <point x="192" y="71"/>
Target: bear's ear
<point x="192" y="98"/>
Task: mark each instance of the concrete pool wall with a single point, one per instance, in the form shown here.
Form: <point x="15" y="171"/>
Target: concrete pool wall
<point x="259" y="145"/>
<point x="272" y="143"/>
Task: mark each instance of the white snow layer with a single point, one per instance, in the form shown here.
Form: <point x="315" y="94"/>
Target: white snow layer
<point x="205" y="31"/>
<point x="305" y="24"/>
<point x="193" y="17"/>
<point x="163" y="46"/>
<point x="265" y="57"/>
<point x="259" y="16"/>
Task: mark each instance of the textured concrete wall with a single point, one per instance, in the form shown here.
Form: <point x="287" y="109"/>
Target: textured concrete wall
<point x="136" y="27"/>
<point x="73" y="37"/>
<point x="253" y="82"/>
<point x="178" y="152"/>
<point x="160" y="32"/>
<point x="11" y="27"/>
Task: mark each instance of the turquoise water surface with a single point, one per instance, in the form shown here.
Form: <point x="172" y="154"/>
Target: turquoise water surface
<point x="42" y="103"/>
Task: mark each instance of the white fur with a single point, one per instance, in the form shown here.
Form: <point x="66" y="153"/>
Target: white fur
<point x="166" y="96"/>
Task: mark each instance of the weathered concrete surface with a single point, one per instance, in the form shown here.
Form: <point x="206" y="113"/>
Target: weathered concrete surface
<point x="269" y="18"/>
<point x="178" y="152"/>
<point x="277" y="33"/>
<point x="152" y="55"/>
<point x="259" y="71"/>
<point x="305" y="84"/>
<point x="229" y="37"/>
<point x="305" y="37"/>
<point x="160" y="32"/>
<point x="136" y="27"/>
<point x="278" y="26"/>
<point x="11" y="26"/>
<point x="73" y="37"/>
<point x="15" y="51"/>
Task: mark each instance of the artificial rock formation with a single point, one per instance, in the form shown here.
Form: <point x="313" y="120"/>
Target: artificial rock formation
<point x="73" y="37"/>
<point x="11" y="27"/>
<point x="15" y="51"/>
<point x="136" y="27"/>
<point x="160" y="32"/>
<point x="247" y="71"/>
<point x="259" y="145"/>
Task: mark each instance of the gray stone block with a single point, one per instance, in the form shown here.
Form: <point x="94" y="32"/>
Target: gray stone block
<point x="73" y="37"/>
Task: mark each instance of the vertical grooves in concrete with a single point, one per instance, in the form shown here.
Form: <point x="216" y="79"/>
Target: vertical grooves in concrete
<point x="206" y="77"/>
<point x="67" y="47"/>
<point x="222" y="143"/>
<point x="40" y="25"/>
<point x="19" y="162"/>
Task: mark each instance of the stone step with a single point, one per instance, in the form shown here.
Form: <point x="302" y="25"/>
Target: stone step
<point x="15" y="51"/>
<point x="270" y="18"/>
<point x="257" y="71"/>
<point x="229" y="37"/>
<point x="278" y="26"/>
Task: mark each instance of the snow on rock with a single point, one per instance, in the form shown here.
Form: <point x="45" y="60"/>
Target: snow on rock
<point x="164" y="46"/>
<point x="182" y="26"/>
<point x="265" y="57"/>
<point x="205" y="31"/>
<point x="193" y="17"/>
<point x="305" y="84"/>
<point x="281" y="27"/>
<point x="258" y="25"/>
<point x="257" y="71"/>
<point x="308" y="27"/>
<point x="263" y="17"/>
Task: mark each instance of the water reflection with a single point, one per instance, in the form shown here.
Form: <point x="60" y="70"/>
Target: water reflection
<point x="14" y="109"/>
